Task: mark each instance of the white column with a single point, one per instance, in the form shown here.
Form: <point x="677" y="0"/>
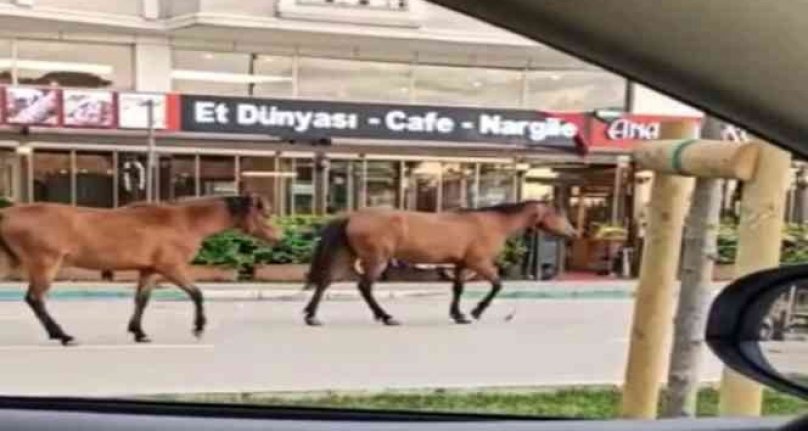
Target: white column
<point x="152" y="65"/>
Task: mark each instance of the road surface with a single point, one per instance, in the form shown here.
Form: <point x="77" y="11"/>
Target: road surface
<point x="263" y="346"/>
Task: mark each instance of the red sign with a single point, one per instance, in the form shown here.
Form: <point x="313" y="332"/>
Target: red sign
<point x="622" y="132"/>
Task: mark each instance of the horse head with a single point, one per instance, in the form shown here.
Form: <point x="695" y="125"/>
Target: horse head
<point x="253" y="217"/>
<point x="551" y="219"/>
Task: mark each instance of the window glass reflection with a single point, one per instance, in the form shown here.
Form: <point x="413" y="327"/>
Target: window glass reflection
<point x="382" y="183"/>
<point x="496" y="184"/>
<point x="343" y="186"/>
<point x="52" y="176"/>
<point x="177" y="177"/>
<point x="274" y="76"/>
<point x="95" y="180"/>
<point x="73" y="64"/>
<point x="574" y="90"/>
<point x="446" y="85"/>
<point x="216" y="73"/>
<point x="353" y="80"/>
<point x="217" y="175"/>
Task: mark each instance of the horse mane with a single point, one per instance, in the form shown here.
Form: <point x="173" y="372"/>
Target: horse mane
<point x="237" y="206"/>
<point x="504" y="208"/>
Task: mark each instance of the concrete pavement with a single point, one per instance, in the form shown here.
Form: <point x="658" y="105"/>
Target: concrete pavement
<point x="13" y="291"/>
<point x="263" y="346"/>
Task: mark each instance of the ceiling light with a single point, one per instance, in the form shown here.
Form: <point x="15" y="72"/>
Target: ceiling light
<point x="232" y="78"/>
<point x="57" y="66"/>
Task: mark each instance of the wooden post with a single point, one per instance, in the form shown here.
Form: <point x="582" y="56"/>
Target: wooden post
<point x="759" y="242"/>
<point x="653" y="307"/>
<point x="698" y="257"/>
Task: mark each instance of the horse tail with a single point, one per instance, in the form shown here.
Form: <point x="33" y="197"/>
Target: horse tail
<point x="9" y="261"/>
<point x="332" y="245"/>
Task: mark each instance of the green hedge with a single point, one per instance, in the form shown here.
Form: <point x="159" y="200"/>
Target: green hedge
<point x="300" y="236"/>
<point x="794" y="248"/>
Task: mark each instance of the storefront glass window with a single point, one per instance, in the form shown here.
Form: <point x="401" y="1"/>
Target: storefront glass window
<point x="52" y="176"/>
<point x="349" y="80"/>
<point x="302" y="190"/>
<point x="216" y="73"/>
<point x="177" y="177"/>
<point x="217" y="175"/>
<point x="496" y="184"/>
<point x="382" y="184"/>
<point x="263" y="175"/>
<point x="574" y="90"/>
<point x="343" y="186"/>
<point x="73" y="64"/>
<point x="444" y="85"/>
<point x="5" y="61"/>
<point x="95" y="180"/>
<point x="131" y="178"/>
<point x="9" y="172"/>
<point x="456" y="179"/>
<point x="422" y="183"/>
<point x="274" y="76"/>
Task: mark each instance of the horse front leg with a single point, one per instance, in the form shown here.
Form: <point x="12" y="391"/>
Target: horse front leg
<point x="372" y="270"/>
<point x="490" y="273"/>
<point x="144" y="287"/>
<point x="179" y="275"/>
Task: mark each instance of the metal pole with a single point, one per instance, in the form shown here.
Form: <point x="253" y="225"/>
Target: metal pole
<point x="151" y="163"/>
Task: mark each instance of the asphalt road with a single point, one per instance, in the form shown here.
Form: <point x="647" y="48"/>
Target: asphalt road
<point x="263" y="346"/>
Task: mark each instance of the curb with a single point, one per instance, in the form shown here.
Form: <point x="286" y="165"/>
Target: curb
<point x="293" y="295"/>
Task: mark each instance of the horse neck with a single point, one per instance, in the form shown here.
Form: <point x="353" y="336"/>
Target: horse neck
<point x="511" y="224"/>
<point x="208" y="218"/>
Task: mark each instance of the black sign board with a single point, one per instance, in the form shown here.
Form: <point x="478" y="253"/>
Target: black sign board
<point x="305" y="119"/>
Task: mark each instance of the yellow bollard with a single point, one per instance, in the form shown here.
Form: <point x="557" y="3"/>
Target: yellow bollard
<point x="654" y="302"/>
<point x="760" y="235"/>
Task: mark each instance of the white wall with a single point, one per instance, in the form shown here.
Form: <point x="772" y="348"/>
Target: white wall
<point x="648" y="101"/>
<point x="153" y="65"/>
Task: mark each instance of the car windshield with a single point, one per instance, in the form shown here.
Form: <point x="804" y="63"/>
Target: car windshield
<point x="377" y="204"/>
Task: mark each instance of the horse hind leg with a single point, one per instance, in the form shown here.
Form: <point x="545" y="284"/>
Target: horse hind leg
<point x="142" y="295"/>
<point x="40" y="276"/>
<point x="372" y="270"/>
<point x="310" y="312"/>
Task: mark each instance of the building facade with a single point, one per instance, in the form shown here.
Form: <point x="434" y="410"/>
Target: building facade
<point x="321" y="105"/>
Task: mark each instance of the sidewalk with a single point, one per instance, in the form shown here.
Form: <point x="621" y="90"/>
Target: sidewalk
<point x="616" y="289"/>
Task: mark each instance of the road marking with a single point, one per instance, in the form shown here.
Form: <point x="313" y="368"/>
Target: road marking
<point x="108" y="347"/>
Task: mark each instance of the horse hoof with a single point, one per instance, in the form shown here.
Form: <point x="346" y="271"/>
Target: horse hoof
<point x="313" y="321"/>
<point x="390" y="321"/>
<point x="461" y="320"/>
<point x="198" y="332"/>
<point x="142" y="339"/>
<point x="68" y="341"/>
<point x="476" y="314"/>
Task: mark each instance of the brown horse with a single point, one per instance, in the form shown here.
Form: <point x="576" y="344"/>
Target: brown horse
<point x="469" y="239"/>
<point x="154" y="239"/>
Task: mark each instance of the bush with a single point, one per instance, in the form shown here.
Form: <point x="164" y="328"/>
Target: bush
<point x="794" y="248"/>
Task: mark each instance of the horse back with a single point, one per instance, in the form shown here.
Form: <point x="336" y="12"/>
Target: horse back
<point x="412" y="235"/>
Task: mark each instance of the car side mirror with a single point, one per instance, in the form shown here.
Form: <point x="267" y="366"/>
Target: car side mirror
<point x="758" y="325"/>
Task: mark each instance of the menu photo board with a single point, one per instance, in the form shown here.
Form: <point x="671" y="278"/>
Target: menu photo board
<point x="32" y="106"/>
<point x="133" y="110"/>
<point x="88" y="108"/>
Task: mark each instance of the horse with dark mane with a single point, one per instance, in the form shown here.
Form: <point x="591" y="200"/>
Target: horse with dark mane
<point x="470" y="239"/>
<point x="154" y="239"/>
